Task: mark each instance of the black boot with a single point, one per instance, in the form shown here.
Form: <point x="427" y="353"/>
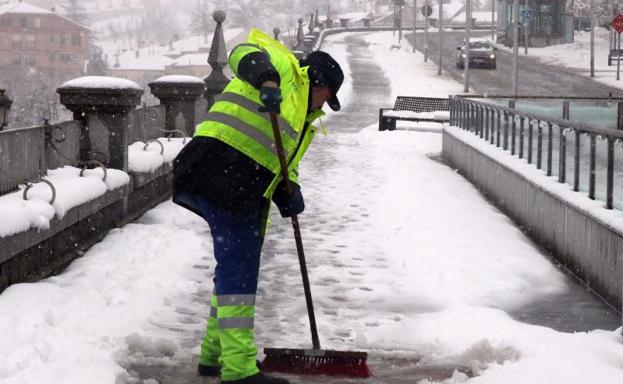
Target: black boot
<point x="260" y="378"/>
<point x="215" y="370"/>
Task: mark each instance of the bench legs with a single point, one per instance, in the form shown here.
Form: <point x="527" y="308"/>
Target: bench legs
<point x="387" y="123"/>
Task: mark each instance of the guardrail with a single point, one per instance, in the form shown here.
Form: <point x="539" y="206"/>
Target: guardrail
<point x="526" y="134"/>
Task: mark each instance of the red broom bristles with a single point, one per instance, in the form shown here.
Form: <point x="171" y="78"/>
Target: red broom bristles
<point x="317" y="365"/>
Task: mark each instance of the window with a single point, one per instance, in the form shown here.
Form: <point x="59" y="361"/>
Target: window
<point x="38" y="22"/>
<point x="52" y="38"/>
<point x="76" y="40"/>
<point x="52" y="57"/>
<point x="16" y="58"/>
<point x="63" y="40"/>
<point x="30" y="41"/>
<point x="66" y="57"/>
<point x="17" y="41"/>
<point x="23" y="22"/>
<point x="29" y="58"/>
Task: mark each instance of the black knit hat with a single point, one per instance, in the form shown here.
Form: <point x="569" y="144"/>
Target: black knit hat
<point x="325" y="71"/>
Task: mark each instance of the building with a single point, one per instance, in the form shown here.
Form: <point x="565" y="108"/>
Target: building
<point x="547" y="22"/>
<point x="37" y="39"/>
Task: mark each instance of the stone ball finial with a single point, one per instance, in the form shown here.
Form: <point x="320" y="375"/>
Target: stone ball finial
<point x="301" y="20"/>
<point x="219" y="16"/>
<point x="276" y="31"/>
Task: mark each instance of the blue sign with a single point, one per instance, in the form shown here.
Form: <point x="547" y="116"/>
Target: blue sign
<point x="526" y="14"/>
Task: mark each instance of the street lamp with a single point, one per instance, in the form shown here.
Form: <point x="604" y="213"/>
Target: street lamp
<point x="5" y="105"/>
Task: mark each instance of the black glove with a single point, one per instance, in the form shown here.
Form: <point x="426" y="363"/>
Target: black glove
<point x="271" y="98"/>
<point x="290" y="203"/>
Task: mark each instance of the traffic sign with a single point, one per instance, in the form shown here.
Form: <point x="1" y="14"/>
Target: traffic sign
<point x="427" y="10"/>
<point x="526" y="14"/>
<point x="617" y="23"/>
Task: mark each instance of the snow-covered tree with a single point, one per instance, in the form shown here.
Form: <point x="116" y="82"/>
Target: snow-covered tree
<point x="201" y="22"/>
<point x="74" y="11"/>
<point x="97" y="66"/>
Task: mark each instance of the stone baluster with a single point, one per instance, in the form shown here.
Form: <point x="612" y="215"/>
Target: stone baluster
<point x="179" y="95"/>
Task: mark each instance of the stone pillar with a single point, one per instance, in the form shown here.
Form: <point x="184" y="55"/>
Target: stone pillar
<point x="310" y="27"/>
<point x="179" y="94"/>
<point x="216" y="80"/>
<point x="102" y="105"/>
<point x="308" y="43"/>
<point x="5" y="106"/>
<point x="300" y="37"/>
<point x="276" y="32"/>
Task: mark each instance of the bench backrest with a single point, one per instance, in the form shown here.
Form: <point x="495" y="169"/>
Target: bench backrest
<point x="421" y="104"/>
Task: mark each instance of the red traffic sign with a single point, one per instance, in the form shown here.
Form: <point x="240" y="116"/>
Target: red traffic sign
<point x="617" y="23"/>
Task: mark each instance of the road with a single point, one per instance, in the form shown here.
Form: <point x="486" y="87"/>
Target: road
<point x="541" y="79"/>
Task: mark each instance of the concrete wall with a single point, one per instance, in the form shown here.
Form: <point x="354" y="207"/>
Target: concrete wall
<point x="587" y="246"/>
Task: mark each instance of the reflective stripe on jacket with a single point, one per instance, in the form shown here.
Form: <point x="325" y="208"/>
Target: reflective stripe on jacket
<point x="234" y="118"/>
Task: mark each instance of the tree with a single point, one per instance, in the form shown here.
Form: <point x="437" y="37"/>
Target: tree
<point x="75" y="12"/>
<point x="200" y="23"/>
<point x="96" y="66"/>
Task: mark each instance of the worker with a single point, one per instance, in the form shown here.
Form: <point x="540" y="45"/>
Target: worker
<point x="229" y="172"/>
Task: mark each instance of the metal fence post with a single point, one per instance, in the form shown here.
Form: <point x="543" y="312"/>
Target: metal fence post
<point x="591" y="181"/>
<point x="610" y="173"/>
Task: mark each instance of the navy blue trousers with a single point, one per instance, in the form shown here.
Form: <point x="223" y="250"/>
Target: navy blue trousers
<point x="238" y="239"/>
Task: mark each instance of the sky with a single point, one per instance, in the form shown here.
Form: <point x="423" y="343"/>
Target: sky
<point x="396" y="265"/>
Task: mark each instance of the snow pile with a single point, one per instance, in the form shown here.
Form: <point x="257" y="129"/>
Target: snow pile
<point x="147" y="157"/>
<point x="69" y="329"/>
<point x="72" y="190"/>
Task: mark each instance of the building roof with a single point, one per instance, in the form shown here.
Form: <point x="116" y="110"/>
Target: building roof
<point x="22" y="8"/>
<point x="25" y="8"/>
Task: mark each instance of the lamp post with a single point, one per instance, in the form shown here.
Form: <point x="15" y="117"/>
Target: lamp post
<point x="515" y="66"/>
<point x="468" y="22"/>
<point x="440" y="36"/>
<point x="5" y="105"/>
<point x="592" y="38"/>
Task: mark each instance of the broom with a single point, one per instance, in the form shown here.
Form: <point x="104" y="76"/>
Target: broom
<point x="313" y="361"/>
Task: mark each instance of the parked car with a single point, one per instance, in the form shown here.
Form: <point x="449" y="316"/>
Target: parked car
<point x="481" y="53"/>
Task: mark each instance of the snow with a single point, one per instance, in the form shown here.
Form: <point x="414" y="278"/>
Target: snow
<point x="147" y="157"/>
<point x="22" y="8"/>
<point x="161" y="57"/>
<point x="396" y="264"/>
<point x="179" y="79"/>
<point x="422" y="115"/>
<point x="192" y="59"/>
<point x="576" y="56"/>
<point x="101" y="82"/>
<point x="72" y="190"/>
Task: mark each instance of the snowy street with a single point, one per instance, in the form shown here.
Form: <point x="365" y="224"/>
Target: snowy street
<point x="407" y="261"/>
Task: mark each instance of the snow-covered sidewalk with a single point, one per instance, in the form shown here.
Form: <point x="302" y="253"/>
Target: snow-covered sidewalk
<point x="406" y="259"/>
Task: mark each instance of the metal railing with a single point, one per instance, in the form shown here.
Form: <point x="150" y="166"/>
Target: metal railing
<point x="526" y="134"/>
<point x="27" y="153"/>
<point x="22" y="156"/>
